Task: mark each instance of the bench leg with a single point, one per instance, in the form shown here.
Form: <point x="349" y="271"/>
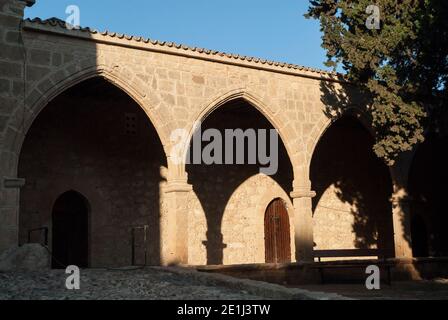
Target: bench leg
<point x="389" y="276"/>
<point x="321" y="273"/>
<point x="388" y="279"/>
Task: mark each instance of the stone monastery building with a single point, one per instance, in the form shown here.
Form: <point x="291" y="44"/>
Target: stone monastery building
<point x="86" y="119"/>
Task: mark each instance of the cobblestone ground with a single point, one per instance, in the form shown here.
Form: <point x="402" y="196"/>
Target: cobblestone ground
<point x="160" y="284"/>
<point x="147" y="284"/>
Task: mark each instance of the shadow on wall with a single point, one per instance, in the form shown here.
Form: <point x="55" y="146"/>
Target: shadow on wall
<point x="427" y="187"/>
<point x="95" y="139"/>
<point x="353" y="186"/>
<point x="215" y="185"/>
<point x="426" y="180"/>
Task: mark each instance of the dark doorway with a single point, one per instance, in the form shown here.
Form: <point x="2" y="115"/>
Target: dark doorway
<point x="276" y="231"/>
<point x="70" y="231"/>
<point x="419" y="237"/>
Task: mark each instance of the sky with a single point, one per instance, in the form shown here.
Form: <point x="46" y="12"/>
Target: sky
<point x="269" y="29"/>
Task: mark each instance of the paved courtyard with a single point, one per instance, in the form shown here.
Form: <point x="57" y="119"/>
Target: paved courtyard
<point x="180" y="284"/>
<point x="407" y="290"/>
<point x="144" y="284"/>
<point x="108" y="284"/>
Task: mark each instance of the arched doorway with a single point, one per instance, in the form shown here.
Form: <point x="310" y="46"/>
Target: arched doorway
<point x="277" y="233"/>
<point x="70" y="231"/>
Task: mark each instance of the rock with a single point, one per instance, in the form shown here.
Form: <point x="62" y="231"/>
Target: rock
<point x="29" y="257"/>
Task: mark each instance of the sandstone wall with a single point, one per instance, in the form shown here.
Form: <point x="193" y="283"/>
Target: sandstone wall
<point x="175" y="86"/>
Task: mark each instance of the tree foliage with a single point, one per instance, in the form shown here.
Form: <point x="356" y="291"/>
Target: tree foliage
<point x="402" y="65"/>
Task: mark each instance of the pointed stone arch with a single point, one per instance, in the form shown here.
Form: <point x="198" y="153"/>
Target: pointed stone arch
<point x="221" y="242"/>
<point x="256" y="102"/>
<point x="324" y="124"/>
<point x="352" y="207"/>
<point x="115" y="99"/>
<point x="59" y="81"/>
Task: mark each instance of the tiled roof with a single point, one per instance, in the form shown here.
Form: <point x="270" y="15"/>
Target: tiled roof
<point x="55" y="22"/>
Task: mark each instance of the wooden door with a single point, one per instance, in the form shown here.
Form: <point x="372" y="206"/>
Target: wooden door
<point x="70" y="231"/>
<point x="277" y="233"/>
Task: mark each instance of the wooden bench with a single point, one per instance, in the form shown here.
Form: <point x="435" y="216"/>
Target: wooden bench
<point x="351" y="253"/>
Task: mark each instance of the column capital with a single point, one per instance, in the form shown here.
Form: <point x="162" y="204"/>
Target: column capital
<point x="180" y="185"/>
<point x="298" y="193"/>
<point x="13" y="183"/>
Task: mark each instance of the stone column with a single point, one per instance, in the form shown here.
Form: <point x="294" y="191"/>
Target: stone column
<point x="174" y="223"/>
<point x="11" y="98"/>
<point x="402" y="224"/>
<point x="303" y="221"/>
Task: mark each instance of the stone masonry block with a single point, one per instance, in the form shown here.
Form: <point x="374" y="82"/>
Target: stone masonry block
<point x="7" y="105"/>
<point x="3" y="122"/>
<point x="11" y="52"/>
<point x="36" y="73"/>
<point x="40" y="57"/>
<point x="10" y="70"/>
<point x="4" y="86"/>
<point x="12" y="37"/>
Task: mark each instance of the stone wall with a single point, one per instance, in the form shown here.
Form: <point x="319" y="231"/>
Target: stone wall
<point x="175" y="86"/>
<point x="174" y="92"/>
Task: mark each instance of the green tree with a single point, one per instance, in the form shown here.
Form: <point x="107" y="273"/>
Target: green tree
<point x="402" y="64"/>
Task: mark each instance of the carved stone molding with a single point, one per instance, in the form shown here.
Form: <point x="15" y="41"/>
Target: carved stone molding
<point x="302" y="193"/>
<point x="178" y="186"/>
